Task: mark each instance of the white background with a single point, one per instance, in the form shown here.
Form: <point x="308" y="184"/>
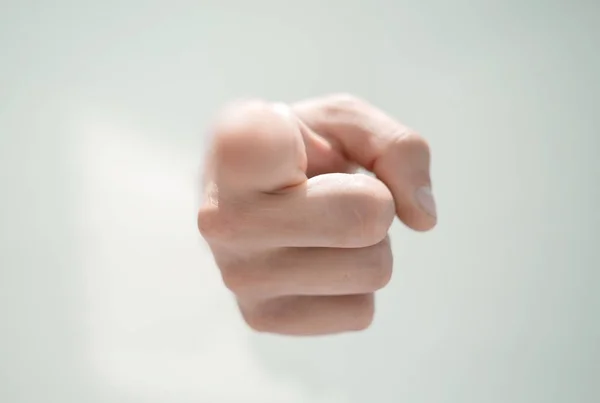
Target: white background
<point x="108" y="294"/>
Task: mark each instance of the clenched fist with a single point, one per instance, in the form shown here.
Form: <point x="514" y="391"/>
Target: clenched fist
<point x="299" y="236"/>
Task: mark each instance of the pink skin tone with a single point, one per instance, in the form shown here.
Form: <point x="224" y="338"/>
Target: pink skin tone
<point x="300" y="238"/>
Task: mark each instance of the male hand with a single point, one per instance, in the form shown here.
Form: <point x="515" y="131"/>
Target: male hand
<point x="300" y="239"/>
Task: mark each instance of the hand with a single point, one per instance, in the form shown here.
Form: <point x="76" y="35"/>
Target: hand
<point x="299" y="238"/>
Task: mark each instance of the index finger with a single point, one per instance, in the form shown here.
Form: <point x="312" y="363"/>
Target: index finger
<point x="397" y="155"/>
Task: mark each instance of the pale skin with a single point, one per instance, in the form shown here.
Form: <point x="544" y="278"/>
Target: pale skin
<point x="300" y="238"/>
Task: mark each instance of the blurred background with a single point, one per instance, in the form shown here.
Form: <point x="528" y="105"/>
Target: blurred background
<point x="108" y="294"/>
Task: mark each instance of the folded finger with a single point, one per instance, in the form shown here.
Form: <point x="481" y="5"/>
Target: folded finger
<point x="310" y="315"/>
<point x="331" y="210"/>
<point x="398" y="156"/>
<point x="311" y="271"/>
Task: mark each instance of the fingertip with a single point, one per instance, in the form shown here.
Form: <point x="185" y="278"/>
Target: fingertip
<point x="248" y="128"/>
<point x="405" y="168"/>
<point x="426" y="201"/>
<point x="257" y="145"/>
<point x="417" y="221"/>
<point x="420" y="213"/>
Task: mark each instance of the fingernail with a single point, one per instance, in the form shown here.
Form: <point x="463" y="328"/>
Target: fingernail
<point x="426" y="201"/>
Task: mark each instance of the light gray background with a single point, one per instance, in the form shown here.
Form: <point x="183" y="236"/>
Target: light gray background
<point x="107" y="294"/>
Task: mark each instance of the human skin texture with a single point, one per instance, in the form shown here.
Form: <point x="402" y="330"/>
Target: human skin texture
<point x="299" y="236"/>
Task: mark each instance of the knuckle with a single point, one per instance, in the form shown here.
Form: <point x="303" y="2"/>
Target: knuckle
<point x="234" y="117"/>
<point x="242" y="279"/>
<point x="258" y="321"/>
<point x="413" y="143"/>
<point x="237" y="114"/>
<point x="243" y="123"/>
<point x="252" y="138"/>
<point x="344" y="104"/>
<point x="234" y="278"/>
<point x="417" y="141"/>
<point x="208" y="223"/>
<point x="239" y="126"/>
<point x="215" y="226"/>
<point x="346" y="100"/>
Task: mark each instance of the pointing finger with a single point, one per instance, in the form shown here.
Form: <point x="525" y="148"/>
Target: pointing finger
<point x="397" y="155"/>
<point x="257" y="147"/>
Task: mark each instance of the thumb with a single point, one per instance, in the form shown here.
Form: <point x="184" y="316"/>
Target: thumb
<point x="398" y="156"/>
<point x="256" y="147"/>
